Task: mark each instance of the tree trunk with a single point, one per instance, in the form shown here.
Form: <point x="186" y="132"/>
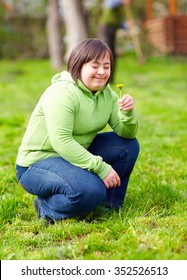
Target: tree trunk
<point x="54" y="35"/>
<point x="76" y="30"/>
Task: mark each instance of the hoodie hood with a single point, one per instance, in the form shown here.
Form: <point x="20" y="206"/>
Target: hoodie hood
<point x="65" y="77"/>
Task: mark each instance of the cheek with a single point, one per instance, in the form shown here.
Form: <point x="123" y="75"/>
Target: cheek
<point x="85" y="77"/>
<point x="109" y="71"/>
<point x="85" y="74"/>
<point x="82" y="75"/>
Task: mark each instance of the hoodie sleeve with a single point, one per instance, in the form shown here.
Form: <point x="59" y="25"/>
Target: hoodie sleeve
<point x="59" y="110"/>
<point x="124" y="123"/>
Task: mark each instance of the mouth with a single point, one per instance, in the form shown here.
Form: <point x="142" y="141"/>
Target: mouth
<point x="100" y="79"/>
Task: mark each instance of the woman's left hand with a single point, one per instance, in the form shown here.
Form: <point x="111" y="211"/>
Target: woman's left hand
<point x="126" y="103"/>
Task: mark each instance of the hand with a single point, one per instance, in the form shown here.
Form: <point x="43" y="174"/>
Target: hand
<point x="112" y="179"/>
<point x="126" y="103"/>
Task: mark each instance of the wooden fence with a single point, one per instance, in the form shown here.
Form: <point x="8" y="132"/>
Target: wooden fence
<point x="168" y="35"/>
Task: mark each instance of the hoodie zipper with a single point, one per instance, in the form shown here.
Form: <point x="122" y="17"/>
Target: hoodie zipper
<point x="94" y="115"/>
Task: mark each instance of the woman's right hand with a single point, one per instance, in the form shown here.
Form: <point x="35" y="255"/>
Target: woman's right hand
<point x="112" y="180"/>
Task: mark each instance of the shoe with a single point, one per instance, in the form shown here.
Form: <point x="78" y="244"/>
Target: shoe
<point x="110" y="210"/>
<point x="47" y="218"/>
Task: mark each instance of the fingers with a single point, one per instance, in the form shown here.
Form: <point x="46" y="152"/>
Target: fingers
<point x="126" y="103"/>
<point x="112" y="183"/>
<point x="112" y="180"/>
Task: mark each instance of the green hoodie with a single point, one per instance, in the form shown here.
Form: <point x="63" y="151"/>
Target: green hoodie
<point x="66" y="120"/>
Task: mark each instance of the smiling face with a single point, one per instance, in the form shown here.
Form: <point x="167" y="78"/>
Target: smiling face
<point x="96" y="73"/>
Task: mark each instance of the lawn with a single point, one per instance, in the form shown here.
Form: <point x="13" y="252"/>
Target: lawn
<point x="152" y="224"/>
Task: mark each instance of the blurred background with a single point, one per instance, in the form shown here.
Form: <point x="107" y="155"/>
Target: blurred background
<point x="51" y="28"/>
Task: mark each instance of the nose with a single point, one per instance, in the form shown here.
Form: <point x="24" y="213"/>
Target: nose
<point x="101" y="71"/>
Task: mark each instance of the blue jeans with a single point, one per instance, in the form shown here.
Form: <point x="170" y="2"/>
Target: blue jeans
<point x="65" y="190"/>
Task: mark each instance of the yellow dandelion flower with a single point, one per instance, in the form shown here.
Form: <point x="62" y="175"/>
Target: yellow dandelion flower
<point x="120" y="86"/>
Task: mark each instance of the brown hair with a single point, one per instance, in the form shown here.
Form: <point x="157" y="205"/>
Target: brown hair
<point x="84" y="52"/>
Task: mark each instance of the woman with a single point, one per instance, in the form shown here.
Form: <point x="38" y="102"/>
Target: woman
<point x="63" y="159"/>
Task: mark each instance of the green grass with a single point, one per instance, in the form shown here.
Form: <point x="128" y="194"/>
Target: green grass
<point x="152" y="224"/>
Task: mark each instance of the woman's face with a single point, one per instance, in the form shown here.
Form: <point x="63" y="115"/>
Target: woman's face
<point x="95" y="74"/>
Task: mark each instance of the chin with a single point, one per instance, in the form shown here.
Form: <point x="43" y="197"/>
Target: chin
<point x="101" y="85"/>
